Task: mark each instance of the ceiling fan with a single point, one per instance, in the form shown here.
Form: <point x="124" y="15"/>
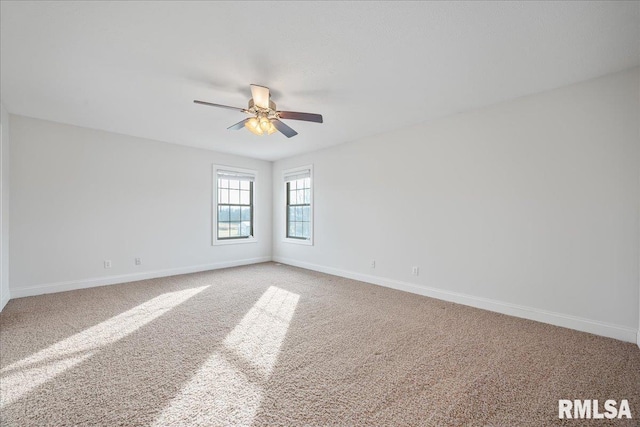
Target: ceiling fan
<point x="265" y="119"/>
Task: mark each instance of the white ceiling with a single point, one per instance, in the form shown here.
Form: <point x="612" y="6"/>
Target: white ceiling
<point x="135" y="67"/>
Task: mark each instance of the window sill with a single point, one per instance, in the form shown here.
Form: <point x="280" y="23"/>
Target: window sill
<point x="217" y="242"/>
<point x="308" y="242"/>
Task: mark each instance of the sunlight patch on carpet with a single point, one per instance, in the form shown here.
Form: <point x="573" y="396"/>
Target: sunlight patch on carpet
<point x="258" y="337"/>
<point x="220" y="392"/>
<point x="20" y="377"/>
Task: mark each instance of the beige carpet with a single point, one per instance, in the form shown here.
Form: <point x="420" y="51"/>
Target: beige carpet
<point x="270" y="344"/>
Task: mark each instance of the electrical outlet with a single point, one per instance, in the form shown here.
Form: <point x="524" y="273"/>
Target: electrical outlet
<point x="107" y="263"/>
<point x="415" y="271"/>
<point x="373" y="263"/>
<point x="138" y="261"/>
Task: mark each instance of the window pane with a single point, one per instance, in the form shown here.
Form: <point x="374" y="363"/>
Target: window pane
<point x="244" y="197"/>
<point x="244" y="185"/>
<point x="234" y="229"/>
<point x="306" y="213"/>
<point x="299" y="213"/>
<point x="245" y="214"/>
<point x="234" y="183"/>
<point x="298" y="229"/>
<point x="245" y="228"/>
<point x="292" y="185"/>
<point x="234" y="213"/>
<point x="292" y="197"/>
<point x="305" y="230"/>
<point x="292" y="229"/>
<point x="223" y="196"/>
<point x="223" y="230"/>
<point x="299" y="197"/>
<point x="307" y="196"/>
<point x="223" y="213"/>
<point x="234" y="197"/>
<point x="300" y="184"/>
<point x="223" y="183"/>
<point x="307" y="183"/>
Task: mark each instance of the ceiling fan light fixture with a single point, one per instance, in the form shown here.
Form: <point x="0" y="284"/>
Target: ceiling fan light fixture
<point x="254" y="126"/>
<point x="260" y="125"/>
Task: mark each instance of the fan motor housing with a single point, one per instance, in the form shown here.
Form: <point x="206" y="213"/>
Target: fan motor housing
<point x="254" y="109"/>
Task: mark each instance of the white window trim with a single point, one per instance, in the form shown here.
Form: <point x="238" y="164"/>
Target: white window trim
<point x="292" y="171"/>
<point x="214" y="210"/>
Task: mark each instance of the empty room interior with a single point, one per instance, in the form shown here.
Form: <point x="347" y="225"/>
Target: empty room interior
<point x="320" y="213"/>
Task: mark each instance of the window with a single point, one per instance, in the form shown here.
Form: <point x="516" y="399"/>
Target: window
<point x="299" y="213"/>
<point x="234" y="212"/>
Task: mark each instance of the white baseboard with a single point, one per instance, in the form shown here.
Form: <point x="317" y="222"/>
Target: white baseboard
<point x="4" y="300"/>
<point x="558" y="319"/>
<point x="124" y="278"/>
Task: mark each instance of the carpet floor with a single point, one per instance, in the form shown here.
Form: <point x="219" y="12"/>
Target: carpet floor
<point x="270" y="344"/>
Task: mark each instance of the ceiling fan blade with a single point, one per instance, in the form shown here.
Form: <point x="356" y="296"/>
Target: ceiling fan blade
<point x="260" y="95"/>
<point x="294" y="115"/>
<point x="220" y="105"/>
<point x="239" y="125"/>
<point x="286" y="130"/>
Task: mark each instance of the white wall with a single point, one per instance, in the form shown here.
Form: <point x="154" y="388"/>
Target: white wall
<point x="4" y="207"/>
<point x="529" y="207"/>
<point x="81" y="196"/>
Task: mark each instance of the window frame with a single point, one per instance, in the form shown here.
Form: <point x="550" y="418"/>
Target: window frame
<point x="289" y="172"/>
<point x="214" y="214"/>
